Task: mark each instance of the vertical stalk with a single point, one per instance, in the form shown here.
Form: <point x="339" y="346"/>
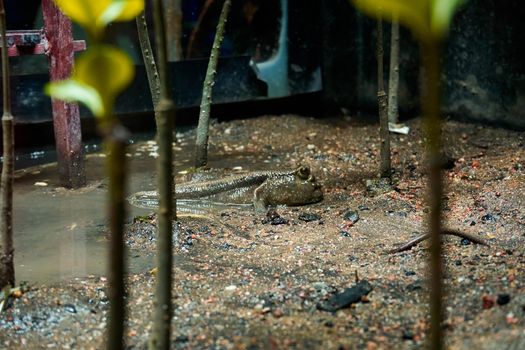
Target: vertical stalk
<point x="431" y="109"/>
<point x="201" y="144"/>
<point x="393" y="81"/>
<point x="382" y="104"/>
<point x="173" y="29"/>
<point x="149" y="60"/>
<point x="160" y="337"/>
<point x="7" y="270"/>
<point x="115" y="142"/>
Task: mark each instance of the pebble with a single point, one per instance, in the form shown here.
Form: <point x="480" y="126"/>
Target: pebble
<point x="231" y="288"/>
<point x="351" y="215"/>
<point x="70" y="308"/>
<point x="273" y="218"/>
<point x="307" y="217"/>
<point x="465" y="241"/>
<point x="344" y="233"/>
<point x="41" y="184"/>
<point x="487" y="302"/>
<point x="503" y="299"/>
<point x="488" y="218"/>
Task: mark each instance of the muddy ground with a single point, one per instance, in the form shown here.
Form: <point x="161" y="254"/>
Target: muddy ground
<point x="243" y="282"/>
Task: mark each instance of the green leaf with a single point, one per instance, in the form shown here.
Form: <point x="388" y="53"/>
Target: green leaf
<point x="122" y="10"/>
<point x="72" y="91"/>
<point x="427" y="19"/>
<point x="442" y="14"/>
<point x="85" y="12"/>
<point x="95" y="15"/>
<point x="101" y="73"/>
<point x="105" y="68"/>
<point x="412" y="13"/>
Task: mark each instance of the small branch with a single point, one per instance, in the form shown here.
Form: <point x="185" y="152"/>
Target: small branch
<point x="174" y="29"/>
<point x="201" y="144"/>
<point x="160" y="336"/>
<point x="393" y="81"/>
<point x="7" y="270"/>
<point x="385" y="166"/>
<point x="115" y="139"/>
<point x="422" y="237"/>
<point x="149" y="59"/>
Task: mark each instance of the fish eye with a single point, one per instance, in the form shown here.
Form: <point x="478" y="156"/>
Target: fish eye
<point x="303" y="172"/>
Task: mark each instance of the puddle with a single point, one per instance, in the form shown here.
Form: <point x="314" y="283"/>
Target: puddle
<point x="61" y="234"/>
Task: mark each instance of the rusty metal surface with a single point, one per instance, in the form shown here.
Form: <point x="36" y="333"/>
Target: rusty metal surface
<point x="66" y="116"/>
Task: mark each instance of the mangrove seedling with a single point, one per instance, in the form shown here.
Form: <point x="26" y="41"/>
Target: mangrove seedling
<point x="160" y="336"/>
<point x="429" y="20"/>
<point x="201" y="143"/>
<point x="7" y="269"/>
<point x="385" y="163"/>
<point x="100" y="74"/>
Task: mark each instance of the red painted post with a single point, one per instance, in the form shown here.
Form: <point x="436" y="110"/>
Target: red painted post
<point x="66" y="116"/>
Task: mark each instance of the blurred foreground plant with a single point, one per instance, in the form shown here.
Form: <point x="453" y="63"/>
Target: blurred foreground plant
<point x="429" y="20"/>
<point x="100" y="74"/>
<point x="7" y="269"/>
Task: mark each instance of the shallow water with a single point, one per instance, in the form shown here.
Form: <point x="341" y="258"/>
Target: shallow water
<point x="61" y="234"/>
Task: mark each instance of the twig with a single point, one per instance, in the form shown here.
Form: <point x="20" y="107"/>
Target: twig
<point x="413" y="242"/>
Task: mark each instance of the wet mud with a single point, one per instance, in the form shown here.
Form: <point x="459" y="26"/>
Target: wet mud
<point x="244" y="280"/>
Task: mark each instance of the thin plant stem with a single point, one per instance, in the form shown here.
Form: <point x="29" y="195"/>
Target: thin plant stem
<point x="393" y="81"/>
<point x="431" y="112"/>
<point x="149" y="59"/>
<point x="201" y="143"/>
<point x="7" y="270"/>
<point x="160" y="337"/>
<point x="385" y="163"/>
<point x="115" y="140"/>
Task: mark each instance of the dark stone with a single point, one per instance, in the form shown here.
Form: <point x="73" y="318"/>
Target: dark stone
<point x="352" y="216"/>
<point x="414" y="286"/>
<point x="408" y="334"/>
<point x="346" y="298"/>
<point x="329" y="324"/>
<point x="447" y="162"/>
<point x="182" y="339"/>
<point x="458" y="263"/>
<point x="273" y="218"/>
<point x="410" y="273"/>
<point x="307" y="217"/>
<point x="488" y="218"/>
<point x="363" y="207"/>
<point x="503" y="299"/>
<point x="344" y="233"/>
<point x="465" y="241"/>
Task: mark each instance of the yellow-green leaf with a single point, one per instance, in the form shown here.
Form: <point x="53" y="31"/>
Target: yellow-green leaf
<point x="442" y="14"/>
<point x="107" y="69"/>
<point x="412" y="13"/>
<point x="427" y="19"/>
<point x="101" y="73"/>
<point x="122" y="10"/>
<point x="95" y="15"/>
<point x="84" y="12"/>
<point x="73" y="91"/>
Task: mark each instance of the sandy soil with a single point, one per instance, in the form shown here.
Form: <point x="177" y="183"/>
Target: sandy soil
<point x="243" y="282"/>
